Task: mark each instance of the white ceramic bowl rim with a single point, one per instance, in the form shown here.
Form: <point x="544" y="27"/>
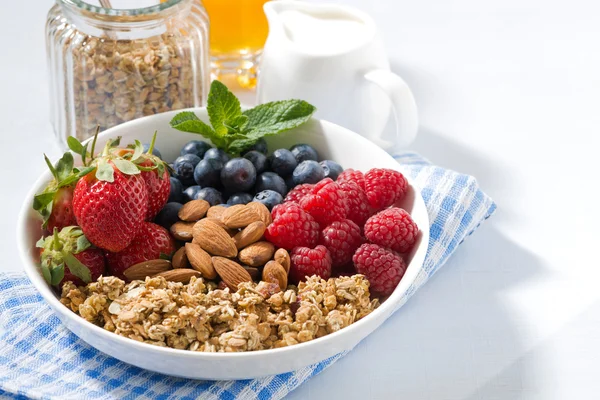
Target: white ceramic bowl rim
<point x="48" y="294"/>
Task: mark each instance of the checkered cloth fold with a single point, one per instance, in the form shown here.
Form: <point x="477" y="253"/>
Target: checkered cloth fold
<point x="40" y="358"/>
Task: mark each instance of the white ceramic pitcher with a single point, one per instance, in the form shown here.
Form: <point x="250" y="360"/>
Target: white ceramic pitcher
<point x="332" y="56"/>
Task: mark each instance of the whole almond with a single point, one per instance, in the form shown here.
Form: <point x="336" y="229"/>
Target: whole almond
<point x="180" y="259"/>
<point x="182" y="231"/>
<point x="193" y="210"/>
<point x="250" y="234"/>
<point x="273" y="272"/>
<point x="254" y="272"/>
<point x="239" y="216"/>
<point x="214" y="239"/>
<point x="146" y="268"/>
<point x="262" y="211"/>
<point x="200" y="260"/>
<point x="283" y="258"/>
<point x="215" y="212"/>
<point x="257" y="254"/>
<point x="182" y="275"/>
<point x="231" y="232"/>
<point x="231" y="272"/>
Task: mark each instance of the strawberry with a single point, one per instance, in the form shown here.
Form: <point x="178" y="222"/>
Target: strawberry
<point x="151" y="242"/>
<point x="155" y="175"/>
<point x="70" y="248"/>
<point x="55" y="202"/>
<point x="111" y="201"/>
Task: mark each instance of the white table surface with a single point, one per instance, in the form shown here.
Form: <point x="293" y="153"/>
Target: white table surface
<point x="508" y="92"/>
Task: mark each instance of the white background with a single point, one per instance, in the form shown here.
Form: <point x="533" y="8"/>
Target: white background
<point x="508" y="91"/>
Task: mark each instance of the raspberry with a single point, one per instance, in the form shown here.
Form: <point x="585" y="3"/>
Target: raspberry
<point x="327" y="202"/>
<point x="307" y="262"/>
<point x="384" y="187"/>
<point x="350" y="175"/>
<point x="291" y="227"/>
<point x="299" y="192"/>
<point x="382" y="267"/>
<point x="359" y="209"/>
<point x="341" y="238"/>
<point x="392" y="228"/>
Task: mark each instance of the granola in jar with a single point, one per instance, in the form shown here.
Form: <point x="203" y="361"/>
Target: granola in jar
<point x="111" y="66"/>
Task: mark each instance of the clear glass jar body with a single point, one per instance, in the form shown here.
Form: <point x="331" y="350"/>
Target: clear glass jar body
<point x="108" y="66"/>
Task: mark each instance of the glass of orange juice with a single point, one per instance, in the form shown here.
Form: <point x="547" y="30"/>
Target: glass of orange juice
<point x="238" y="30"/>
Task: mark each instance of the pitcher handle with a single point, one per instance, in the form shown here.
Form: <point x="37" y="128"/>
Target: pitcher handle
<point x="403" y="104"/>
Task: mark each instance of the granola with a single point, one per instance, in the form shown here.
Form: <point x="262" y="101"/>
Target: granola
<point x="200" y="316"/>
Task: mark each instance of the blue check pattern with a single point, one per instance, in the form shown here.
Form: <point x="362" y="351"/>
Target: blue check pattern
<point x="40" y="358"/>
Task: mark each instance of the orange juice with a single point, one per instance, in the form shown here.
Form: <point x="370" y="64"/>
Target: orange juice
<point x="236" y="26"/>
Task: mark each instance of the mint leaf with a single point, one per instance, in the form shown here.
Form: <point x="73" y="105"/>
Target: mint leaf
<point x="187" y="121"/>
<point x="271" y="119"/>
<point x="126" y="167"/>
<point x="222" y="107"/>
<point x="77" y="268"/>
<point x="277" y="116"/>
<point x="234" y="131"/>
<point x="105" y="172"/>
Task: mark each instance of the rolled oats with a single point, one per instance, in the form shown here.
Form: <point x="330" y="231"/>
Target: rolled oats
<point x="200" y="317"/>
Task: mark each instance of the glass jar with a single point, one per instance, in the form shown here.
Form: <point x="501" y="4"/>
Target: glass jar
<point x="111" y="65"/>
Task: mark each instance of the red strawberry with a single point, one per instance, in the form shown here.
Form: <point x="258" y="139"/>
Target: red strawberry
<point x="158" y="187"/>
<point x="62" y="209"/>
<point x="151" y="241"/>
<point x="155" y="175"/>
<point x="111" y="201"/>
<point x="55" y="202"/>
<point x="68" y="256"/>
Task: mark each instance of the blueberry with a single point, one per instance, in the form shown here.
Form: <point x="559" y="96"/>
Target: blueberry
<point x="331" y="168"/>
<point x="191" y="193"/>
<point x="208" y="172"/>
<point x="308" y="171"/>
<point x="224" y="205"/>
<point x="269" y="198"/>
<point x="238" y="175"/>
<point x="184" y="168"/>
<point x="258" y="159"/>
<point x="271" y="181"/>
<point x="216" y="154"/>
<point x="212" y="195"/>
<point x="171" y="172"/>
<point x="195" y="147"/>
<point x="304" y="152"/>
<point x="239" y="198"/>
<point x="154" y="150"/>
<point x="168" y="215"/>
<point x="282" y="162"/>
<point x="176" y="193"/>
<point x="289" y="182"/>
<point x="260" y="146"/>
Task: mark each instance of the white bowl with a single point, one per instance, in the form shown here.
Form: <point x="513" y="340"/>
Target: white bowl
<point x="332" y="142"/>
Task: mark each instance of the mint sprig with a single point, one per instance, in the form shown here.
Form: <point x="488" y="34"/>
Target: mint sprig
<point x="233" y="130"/>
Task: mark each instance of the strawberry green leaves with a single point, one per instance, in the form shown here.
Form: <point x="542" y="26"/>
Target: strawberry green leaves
<point x="59" y="251"/>
<point x="233" y="130"/>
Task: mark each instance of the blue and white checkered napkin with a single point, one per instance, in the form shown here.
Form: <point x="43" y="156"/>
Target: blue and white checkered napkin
<point x="40" y="358"/>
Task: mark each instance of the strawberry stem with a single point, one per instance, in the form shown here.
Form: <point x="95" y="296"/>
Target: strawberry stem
<point x="52" y="169"/>
<point x="151" y="147"/>
<point x="94" y="141"/>
<point x="55" y="240"/>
